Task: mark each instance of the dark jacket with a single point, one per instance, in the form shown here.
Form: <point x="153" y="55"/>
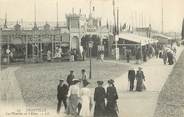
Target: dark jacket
<point x="111" y="95"/>
<point x="99" y="95"/>
<point x="62" y="91"/>
<point x="69" y="79"/>
<point x="140" y="75"/>
<point x="131" y="75"/>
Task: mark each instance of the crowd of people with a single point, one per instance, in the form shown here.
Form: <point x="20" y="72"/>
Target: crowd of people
<point x="79" y="100"/>
<point x="73" y="55"/>
<point x="168" y="55"/>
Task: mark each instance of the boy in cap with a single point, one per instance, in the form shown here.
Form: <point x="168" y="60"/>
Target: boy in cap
<point x="84" y="75"/>
<point x="70" y="77"/>
<point x="99" y="98"/>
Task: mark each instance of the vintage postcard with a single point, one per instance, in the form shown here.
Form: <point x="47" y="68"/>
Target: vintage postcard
<point x="91" y="58"/>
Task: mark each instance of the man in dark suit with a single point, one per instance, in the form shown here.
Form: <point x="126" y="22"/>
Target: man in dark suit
<point x="62" y="91"/>
<point x="131" y="78"/>
<point x="70" y="77"/>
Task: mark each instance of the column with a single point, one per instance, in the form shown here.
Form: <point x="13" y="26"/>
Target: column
<point x="33" y="49"/>
<point x="141" y="52"/>
<point x="52" y="45"/>
<point x="8" y="48"/>
<point x="41" y="50"/>
<point x="26" y="42"/>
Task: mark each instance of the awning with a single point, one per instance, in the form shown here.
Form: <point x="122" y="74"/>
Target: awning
<point x="162" y="36"/>
<point x="65" y="44"/>
<point x="137" y="39"/>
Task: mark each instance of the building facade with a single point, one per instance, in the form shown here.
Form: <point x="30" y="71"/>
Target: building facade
<point x="31" y="45"/>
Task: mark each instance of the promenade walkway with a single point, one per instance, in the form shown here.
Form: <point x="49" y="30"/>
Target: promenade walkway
<point x="131" y="104"/>
<point x="143" y="104"/>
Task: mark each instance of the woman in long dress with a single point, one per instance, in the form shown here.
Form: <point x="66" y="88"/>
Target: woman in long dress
<point x="140" y="77"/>
<point x="99" y="98"/>
<point x="73" y="98"/>
<point x="85" y="95"/>
<point x="112" y="96"/>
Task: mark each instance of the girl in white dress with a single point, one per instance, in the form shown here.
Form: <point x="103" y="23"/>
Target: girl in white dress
<point x="73" y="98"/>
<point x="85" y="95"/>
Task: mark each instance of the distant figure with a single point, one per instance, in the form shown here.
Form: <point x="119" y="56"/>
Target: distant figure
<point x="99" y="98"/>
<point x="83" y="55"/>
<point x="138" y="56"/>
<point x="131" y="78"/>
<point x="140" y="77"/>
<point x="145" y="55"/>
<point x="128" y="56"/>
<point x="84" y="75"/>
<point x="170" y="58"/>
<point x="164" y="56"/>
<point x="70" y="77"/>
<point x="85" y="95"/>
<point x="62" y="91"/>
<point x="11" y="56"/>
<point x="102" y="56"/>
<point x="73" y="98"/>
<point x="112" y="97"/>
<point x="49" y="56"/>
<point x="157" y="52"/>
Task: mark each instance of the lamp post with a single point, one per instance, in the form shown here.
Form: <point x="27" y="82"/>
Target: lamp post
<point x="90" y="47"/>
<point x="116" y="47"/>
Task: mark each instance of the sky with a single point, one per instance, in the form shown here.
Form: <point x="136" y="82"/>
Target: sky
<point x="133" y="12"/>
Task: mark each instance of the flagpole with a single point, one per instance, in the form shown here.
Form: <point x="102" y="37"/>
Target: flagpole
<point x="162" y="16"/>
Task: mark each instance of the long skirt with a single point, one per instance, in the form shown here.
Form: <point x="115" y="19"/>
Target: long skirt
<point x="139" y="86"/>
<point x="73" y="102"/>
<point x="85" y="110"/>
<point x="99" y="110"/>
<point x="111" y="109"/>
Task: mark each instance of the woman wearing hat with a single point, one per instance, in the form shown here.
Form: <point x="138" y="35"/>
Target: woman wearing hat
<point x="73" y="97"/>
<point x="85" y="95"/>
<point x="140" y="77"/>
<point x="112" y="97"/>
<point x="99" y="98"/>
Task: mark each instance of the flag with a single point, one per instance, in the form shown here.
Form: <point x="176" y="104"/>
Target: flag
<point x="182" y="33"/>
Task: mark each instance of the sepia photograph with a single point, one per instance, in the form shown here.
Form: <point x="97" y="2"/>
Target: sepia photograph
<point x="91" y="58"/>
